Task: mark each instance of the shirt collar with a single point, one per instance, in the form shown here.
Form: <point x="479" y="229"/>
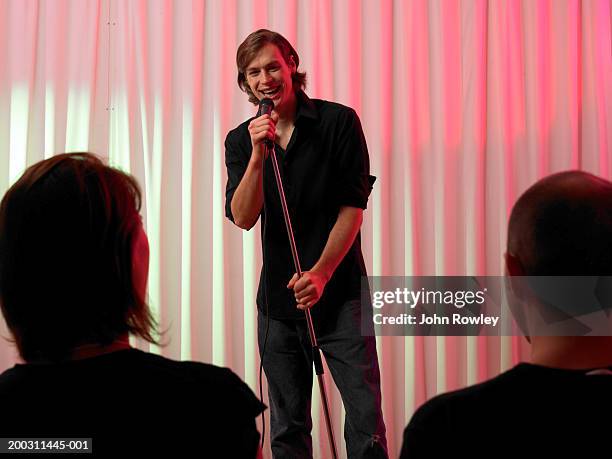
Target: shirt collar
<point x="306" y="107"/>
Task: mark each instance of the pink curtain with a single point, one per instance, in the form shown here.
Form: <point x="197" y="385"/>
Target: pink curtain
<point x="464" y="104"/>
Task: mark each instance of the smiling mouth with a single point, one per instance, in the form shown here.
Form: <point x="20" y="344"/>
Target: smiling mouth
<point x="271" y="92"/>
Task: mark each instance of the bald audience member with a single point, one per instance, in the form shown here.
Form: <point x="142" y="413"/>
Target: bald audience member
<point x="561" y="401"/>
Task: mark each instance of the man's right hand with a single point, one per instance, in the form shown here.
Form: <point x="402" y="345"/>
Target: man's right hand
<point x="260" y="129"/>
<point x="248" y="197"/>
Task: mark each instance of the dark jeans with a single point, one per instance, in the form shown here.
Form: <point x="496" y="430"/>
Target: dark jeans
<point x="353" y="364"/>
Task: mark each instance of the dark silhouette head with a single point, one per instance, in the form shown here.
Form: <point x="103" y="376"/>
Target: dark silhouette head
<point x="559" y="255"/>
<point x="562" y="226"/>
<point x="73" y="257"/>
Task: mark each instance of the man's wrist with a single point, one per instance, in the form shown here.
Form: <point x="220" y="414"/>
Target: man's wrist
<point x="325" y="273"/>
<point x="256" y="161"/>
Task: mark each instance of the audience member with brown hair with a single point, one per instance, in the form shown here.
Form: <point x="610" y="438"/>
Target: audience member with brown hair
<point x="73" y="271"/>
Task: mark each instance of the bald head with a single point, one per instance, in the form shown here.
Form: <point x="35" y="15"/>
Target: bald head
<point x="562" y="226"/>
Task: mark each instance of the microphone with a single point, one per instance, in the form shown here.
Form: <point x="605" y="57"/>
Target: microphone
<point x="265" y="108"/>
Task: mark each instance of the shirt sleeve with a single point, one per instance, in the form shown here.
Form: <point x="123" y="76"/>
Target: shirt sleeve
<point x="236" y="162"/>
<point x="355" y="182"/>
<point x="244" y="407"/>
<point x="227" y="409"/>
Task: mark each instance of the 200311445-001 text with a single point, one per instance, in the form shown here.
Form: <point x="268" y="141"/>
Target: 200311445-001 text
<point x="45" y="445"/>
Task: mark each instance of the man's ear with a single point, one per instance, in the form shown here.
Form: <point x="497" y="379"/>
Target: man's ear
<point x="515" y="292"/>
<point x="513" y="265"/>
<point x="292" y="65"/>
<point x="515" y="272"/>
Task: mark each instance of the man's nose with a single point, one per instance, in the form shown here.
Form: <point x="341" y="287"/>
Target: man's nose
<point x="266" y="77"/>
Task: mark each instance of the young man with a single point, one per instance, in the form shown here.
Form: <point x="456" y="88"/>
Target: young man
<point x="553" y="406"/>
<point x="324" y="163"/>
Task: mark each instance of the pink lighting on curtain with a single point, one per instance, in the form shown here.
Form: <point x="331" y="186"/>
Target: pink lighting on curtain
<point x="464" y="104"/>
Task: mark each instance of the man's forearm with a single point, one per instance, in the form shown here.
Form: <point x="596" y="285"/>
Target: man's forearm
<point x="248" y="197"/>
<point x="339" y="241"/>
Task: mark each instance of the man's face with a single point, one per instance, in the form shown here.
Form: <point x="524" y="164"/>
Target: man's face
<point x="268" y="75"/>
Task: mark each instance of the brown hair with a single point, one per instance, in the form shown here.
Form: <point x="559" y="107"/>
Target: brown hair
<point x="67" y="227"/>
<point x="249" y="48"/>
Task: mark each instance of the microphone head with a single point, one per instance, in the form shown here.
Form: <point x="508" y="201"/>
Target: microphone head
<point x="265" y="107"/>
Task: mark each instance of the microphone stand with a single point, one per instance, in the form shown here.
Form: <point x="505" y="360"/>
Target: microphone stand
<point x="316" y="351"/>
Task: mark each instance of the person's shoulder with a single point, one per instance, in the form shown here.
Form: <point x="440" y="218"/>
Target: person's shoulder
<point x="544" y="401"/>
<point x="333" y="110"/>
<point x="208" y="379"/>
<point x="453" y="415"/>
<point x="468" y="399"/>
<point x="239" y="134"/>
<point x="186" y="368"/>
<point x="10" y="381"/>
<point x="241" y="128"/>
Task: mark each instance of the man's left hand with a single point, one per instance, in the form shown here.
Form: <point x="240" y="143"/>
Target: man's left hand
<point x="308" y="288"/>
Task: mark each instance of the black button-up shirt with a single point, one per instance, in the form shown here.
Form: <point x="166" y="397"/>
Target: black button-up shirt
<point x="325" y="166"/>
